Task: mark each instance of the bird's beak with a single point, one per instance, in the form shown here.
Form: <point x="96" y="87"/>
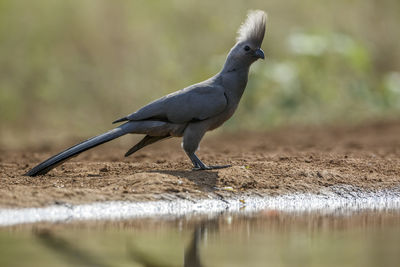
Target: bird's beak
<point x="259" y="53"/>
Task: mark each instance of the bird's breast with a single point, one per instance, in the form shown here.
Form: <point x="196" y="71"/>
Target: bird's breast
<point x="222" y="117"/>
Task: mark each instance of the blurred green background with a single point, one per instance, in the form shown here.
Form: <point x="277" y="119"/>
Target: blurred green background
<point x="69" y="68"/>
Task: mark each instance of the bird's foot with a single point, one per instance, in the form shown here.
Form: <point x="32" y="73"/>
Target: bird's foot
<point x="198" y="165"/>
<point x="205" y="167"/>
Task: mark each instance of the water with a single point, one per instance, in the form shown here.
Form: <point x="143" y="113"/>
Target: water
<point x="269" y="237"/>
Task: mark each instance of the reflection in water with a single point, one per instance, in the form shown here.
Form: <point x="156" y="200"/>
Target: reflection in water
<point x="267" y="238"/>
<point x="192" y="253"/>
<point x="76" y="256"/>
<point x="66" y="250"/>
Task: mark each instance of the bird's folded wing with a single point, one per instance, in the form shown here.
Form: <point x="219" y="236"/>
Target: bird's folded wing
<point x="194" y="103"/>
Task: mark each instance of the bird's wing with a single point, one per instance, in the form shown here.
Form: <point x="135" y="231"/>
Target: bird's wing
<point x="197" y="102"/>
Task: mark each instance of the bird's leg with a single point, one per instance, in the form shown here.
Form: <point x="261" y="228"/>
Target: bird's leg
<point x="191" y="139"/>
<point x="194" y="159"/>
<point x="199" y="165"/>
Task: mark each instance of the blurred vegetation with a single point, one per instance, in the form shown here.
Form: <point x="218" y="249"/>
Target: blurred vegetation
<point x="69" y="68"/>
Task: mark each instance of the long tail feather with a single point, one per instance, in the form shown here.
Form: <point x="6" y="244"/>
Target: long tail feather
<point x="58" y="159"/>
<point x="138" y="127"/>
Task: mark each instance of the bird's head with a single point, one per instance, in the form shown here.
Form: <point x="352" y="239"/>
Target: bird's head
<point x="249" y="39"/>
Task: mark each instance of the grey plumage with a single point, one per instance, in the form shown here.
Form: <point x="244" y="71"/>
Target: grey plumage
<point x="190" y="112"/>
<point x="157" y="128"/>
<point x="147" y="140"/>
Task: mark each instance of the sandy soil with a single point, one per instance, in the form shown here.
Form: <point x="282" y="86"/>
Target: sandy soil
<point x="296" y="159"/>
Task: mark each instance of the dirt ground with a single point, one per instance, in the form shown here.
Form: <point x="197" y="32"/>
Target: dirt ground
<point x="294" y="159"/>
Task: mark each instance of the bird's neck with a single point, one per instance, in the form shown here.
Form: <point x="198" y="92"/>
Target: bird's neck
<point x="234" y="75"/>
<point x="234" y="65"/>
<point x="235" y="81"/>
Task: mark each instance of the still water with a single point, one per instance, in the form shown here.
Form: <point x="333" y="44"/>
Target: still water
<point x="263" y="238"/>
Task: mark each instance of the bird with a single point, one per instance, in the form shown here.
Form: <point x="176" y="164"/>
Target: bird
<point x="190" y="112"/>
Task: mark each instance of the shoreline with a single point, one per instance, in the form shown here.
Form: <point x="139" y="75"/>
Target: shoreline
<point x="344" y="200"/>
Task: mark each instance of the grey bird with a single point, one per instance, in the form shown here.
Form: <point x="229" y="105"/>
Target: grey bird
<point x="190" y="112"/>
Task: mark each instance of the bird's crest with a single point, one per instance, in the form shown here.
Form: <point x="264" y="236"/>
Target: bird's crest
<point x="253" y="29"/>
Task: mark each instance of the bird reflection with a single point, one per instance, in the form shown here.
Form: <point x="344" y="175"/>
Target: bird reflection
<point x="67" y="250"/>
<point x="78" y="256"/>
<point x="192" y="253"/>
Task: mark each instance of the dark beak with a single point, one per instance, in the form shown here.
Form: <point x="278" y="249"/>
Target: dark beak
<point x="259" y="53"/>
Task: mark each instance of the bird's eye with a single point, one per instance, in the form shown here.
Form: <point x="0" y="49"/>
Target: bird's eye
<point x="246" y="48"/>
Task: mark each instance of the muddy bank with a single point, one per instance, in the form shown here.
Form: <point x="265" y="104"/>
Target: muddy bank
<point x="292" y="160"/>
